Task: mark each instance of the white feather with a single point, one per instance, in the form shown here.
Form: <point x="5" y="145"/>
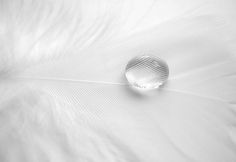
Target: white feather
<point x="64" y="97"/>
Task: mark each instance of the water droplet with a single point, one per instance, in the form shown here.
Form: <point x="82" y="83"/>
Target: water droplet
<point x="146" y="72"/>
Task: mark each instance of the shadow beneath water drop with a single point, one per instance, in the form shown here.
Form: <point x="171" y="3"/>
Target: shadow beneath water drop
<point x="143" y="93"/>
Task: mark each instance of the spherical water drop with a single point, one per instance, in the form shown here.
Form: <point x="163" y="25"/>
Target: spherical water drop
<point x="146" y="72"/>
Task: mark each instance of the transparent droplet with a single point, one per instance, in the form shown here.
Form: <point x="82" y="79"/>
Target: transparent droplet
<point x="146" y="72"/>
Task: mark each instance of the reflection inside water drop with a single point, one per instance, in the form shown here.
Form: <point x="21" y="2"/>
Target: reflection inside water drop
<point x="146" y="72"/>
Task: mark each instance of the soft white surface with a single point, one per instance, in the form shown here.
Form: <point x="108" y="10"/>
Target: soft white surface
<point x="63" y="93"/>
